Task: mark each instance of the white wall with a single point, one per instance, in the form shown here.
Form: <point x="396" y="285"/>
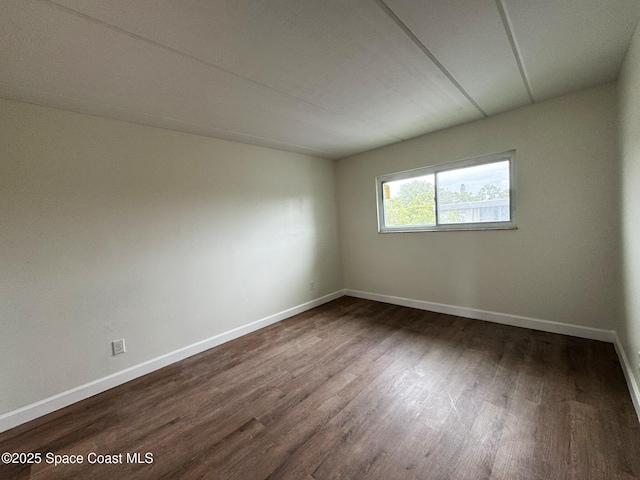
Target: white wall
<point x="561" y="265"/>
<point x="112" y="230"/>
<point x="629" y="84"/>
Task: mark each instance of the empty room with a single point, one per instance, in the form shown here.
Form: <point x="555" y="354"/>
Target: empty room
<point x="317" y="240"/>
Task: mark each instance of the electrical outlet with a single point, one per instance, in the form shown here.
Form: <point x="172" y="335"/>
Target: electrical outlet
<point x="312" y="285"/>
<point x="118" y="346"/>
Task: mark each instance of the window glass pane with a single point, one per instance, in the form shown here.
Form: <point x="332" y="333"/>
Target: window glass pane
<point x="474" y="194"/>
<point x="409" y="202"/>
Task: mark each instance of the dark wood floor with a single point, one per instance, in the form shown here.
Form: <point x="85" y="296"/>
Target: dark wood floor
<point x="359" y="390"/>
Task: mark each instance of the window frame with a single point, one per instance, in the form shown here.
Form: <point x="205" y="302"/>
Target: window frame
<point x="443" y="167"/>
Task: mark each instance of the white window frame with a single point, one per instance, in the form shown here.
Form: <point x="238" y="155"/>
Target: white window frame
<point x="434" y="170"/>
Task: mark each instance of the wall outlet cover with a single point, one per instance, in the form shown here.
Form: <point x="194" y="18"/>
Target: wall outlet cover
<point x="118" y="346"/>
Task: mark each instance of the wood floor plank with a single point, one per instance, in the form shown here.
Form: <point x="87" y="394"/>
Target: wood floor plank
<point x="515" y="451"/>
<point x="357" y="389"/>
<point x="481" y="444"/>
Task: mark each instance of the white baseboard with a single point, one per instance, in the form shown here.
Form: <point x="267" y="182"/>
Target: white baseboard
<point x="35" y="410"/>
<point x="628" y="373"/>
<point x="495" y="317"/>
<point x="30" y="412"/>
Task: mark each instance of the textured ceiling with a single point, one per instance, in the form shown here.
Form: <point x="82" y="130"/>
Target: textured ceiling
<point x="328" y="78"/>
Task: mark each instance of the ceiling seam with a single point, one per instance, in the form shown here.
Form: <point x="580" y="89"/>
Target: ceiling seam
<point x="508" y="28"/>
<point x="210" y="65"/>
<point x="318" y="152"/>
<point x="412" y="36"/>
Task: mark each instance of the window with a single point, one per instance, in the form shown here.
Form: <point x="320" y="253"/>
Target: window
<point x="473" y="194"/>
